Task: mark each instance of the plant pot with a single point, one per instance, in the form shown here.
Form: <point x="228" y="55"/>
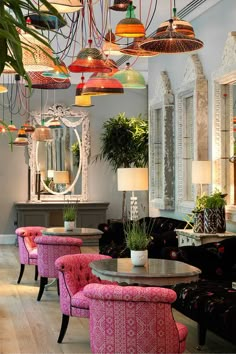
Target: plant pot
<point x="139" y="258"/>
<point x="220" y="220"/>
<point x="69" y="225"/>
<point x="210" y="223"/>
<point x="198" y="222"/>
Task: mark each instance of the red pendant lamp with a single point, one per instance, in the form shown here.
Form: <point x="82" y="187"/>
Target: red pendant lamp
<point x="102" y="84"/>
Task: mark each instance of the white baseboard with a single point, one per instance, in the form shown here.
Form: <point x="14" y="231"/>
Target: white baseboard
<point x="7" y="239"/>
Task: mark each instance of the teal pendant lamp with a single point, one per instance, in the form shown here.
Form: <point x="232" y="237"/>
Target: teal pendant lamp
<point x="130" y="78"/>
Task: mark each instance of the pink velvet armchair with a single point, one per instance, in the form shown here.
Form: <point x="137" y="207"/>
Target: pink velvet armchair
<point x="27" y="248"/>
<point x="74" y="274"/>
<point x="49" y="249"/>
<point x="133" y="319"/>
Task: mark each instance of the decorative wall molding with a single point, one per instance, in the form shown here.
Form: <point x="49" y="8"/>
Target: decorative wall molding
<point x="195" y="85"/>
<point x="161" y="142"/>
<point x="223" y="139"/>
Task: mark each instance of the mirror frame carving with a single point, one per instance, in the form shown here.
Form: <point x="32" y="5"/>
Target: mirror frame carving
<point x="163" y="100"/>
<point x="223" y="124"/>
<point x="194" y="84"/>
<point x="67" y="117"/>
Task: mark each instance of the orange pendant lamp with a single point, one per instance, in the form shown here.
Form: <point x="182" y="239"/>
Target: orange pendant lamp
<point x="130" y="27"/>
<point x="82" y="100"/>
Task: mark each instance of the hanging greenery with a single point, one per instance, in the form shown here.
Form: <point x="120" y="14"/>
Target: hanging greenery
<point x="12" y="14"/>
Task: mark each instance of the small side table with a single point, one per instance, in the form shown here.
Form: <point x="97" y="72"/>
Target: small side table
<point x="186" y="237"/>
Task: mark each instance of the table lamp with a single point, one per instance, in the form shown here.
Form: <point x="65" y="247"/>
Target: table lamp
<point x="132" y="179"/>
<point x="201" y="173"/>
<point x="61" y="179"/>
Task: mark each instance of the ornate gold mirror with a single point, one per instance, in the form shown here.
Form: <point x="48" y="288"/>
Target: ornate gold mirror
<point x="61" y="163"/>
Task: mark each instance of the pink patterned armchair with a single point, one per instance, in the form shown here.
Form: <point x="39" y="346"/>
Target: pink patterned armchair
<point x="49" y="249"/>
<point x="74" y="274"/>
<point x="133" y="319"/>
<point x="28" y="248"/>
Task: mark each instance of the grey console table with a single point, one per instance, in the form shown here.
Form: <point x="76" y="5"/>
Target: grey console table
<point x="50" y="214"/>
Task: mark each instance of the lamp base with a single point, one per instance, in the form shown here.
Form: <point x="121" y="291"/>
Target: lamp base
<point x="133" y="208"/>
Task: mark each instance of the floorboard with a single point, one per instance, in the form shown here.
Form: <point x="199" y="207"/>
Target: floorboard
<point x="30" y="327"/>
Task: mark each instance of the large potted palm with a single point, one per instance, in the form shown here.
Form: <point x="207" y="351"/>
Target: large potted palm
<point x="124" y="143"/>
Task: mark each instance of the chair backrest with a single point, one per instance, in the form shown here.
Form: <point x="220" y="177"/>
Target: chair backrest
<point x="52" y="247"/>
<point x="131" y="319"/>
<point x="25" y="238"/>
<point x="74" y="275"/>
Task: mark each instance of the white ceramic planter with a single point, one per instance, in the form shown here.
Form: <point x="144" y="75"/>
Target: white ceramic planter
<point x="139" y="258"/>
<point x="69" y="225"/>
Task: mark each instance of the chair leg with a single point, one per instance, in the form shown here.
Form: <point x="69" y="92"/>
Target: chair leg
<point x="43" y="282"/>
<point x="22" y="268"/>
<point x="64" y="325"/>
<point x="58" y="288"/>
<point x="36" y="273"/>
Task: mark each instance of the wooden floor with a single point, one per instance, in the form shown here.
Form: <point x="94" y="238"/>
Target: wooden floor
<point x="28" y="326"/>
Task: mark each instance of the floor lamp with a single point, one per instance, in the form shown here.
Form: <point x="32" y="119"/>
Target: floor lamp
<point x="132" y="179"/>
<point x="201" y="173"/>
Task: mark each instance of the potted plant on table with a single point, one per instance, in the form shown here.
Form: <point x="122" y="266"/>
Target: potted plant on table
<point x="69" y="217"/>
<point x="137" y="240"/>
<point x="214" y="213"/>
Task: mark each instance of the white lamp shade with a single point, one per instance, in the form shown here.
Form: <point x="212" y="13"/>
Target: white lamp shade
<point x="132" y="179"/>
<point x="201" y="172"/>
<point x="61" y="177"/>
<point x="50" y="173"/>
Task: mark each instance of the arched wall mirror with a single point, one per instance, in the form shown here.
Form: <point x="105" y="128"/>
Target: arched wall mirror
<point x="61" y="163"/>
<point x="224" y="138"/>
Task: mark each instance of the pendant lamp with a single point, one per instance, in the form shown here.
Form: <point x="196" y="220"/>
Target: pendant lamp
<point x="135" y="50"/>
<point x="45" y="21"/>
<point x="54" y="123"/>
<point x="109" y="46"/>
<point x="64" y="6"/>
<point x="42" y="133"/>
<point x="89" y="59"/>
<point x="130" y="78"/>
<point x="120" y="5"/>
<point x="21" y="139"/>
<point x="59" y="71"/>
<point x="171" y="42"/>
<point x="47" y="83"/>
<point x="102" y="84"/>
<point x="130" y="26"/>
<point x="82" y="100"/>
<point x="3" y="89"/>
<point x="29" y="129"/>
<point x="34" y="55"/>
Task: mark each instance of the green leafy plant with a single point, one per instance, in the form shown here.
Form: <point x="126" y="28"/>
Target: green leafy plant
<point x="215" y="200"/>
<point x="12" y="14"/>
<point x="200" y="203"/>
<point x="75" y="148"/>
<point x="69" y="212"/>
<point x="137" y="235"/>
<point x="124" y="142"/>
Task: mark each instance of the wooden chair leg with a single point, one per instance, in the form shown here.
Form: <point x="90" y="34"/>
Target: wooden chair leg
<point x="22" y="268"/>
<point x="64" y="325"/>
<point x="36" y="273"/>
<point x="43" y="282"/>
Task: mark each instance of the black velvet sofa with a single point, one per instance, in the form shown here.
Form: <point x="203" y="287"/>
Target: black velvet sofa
<point x="162" y="230"/>
<point x="211" y="301"/>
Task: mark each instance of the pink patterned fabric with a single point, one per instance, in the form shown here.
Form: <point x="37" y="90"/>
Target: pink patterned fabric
<point x="133" y="319"/>
<point x="52" y="247"/>
<point x="74" y="274"/>
<point x="27" y="246"/>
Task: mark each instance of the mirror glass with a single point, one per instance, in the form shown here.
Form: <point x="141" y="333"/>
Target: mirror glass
<point x="61" y="162"/>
